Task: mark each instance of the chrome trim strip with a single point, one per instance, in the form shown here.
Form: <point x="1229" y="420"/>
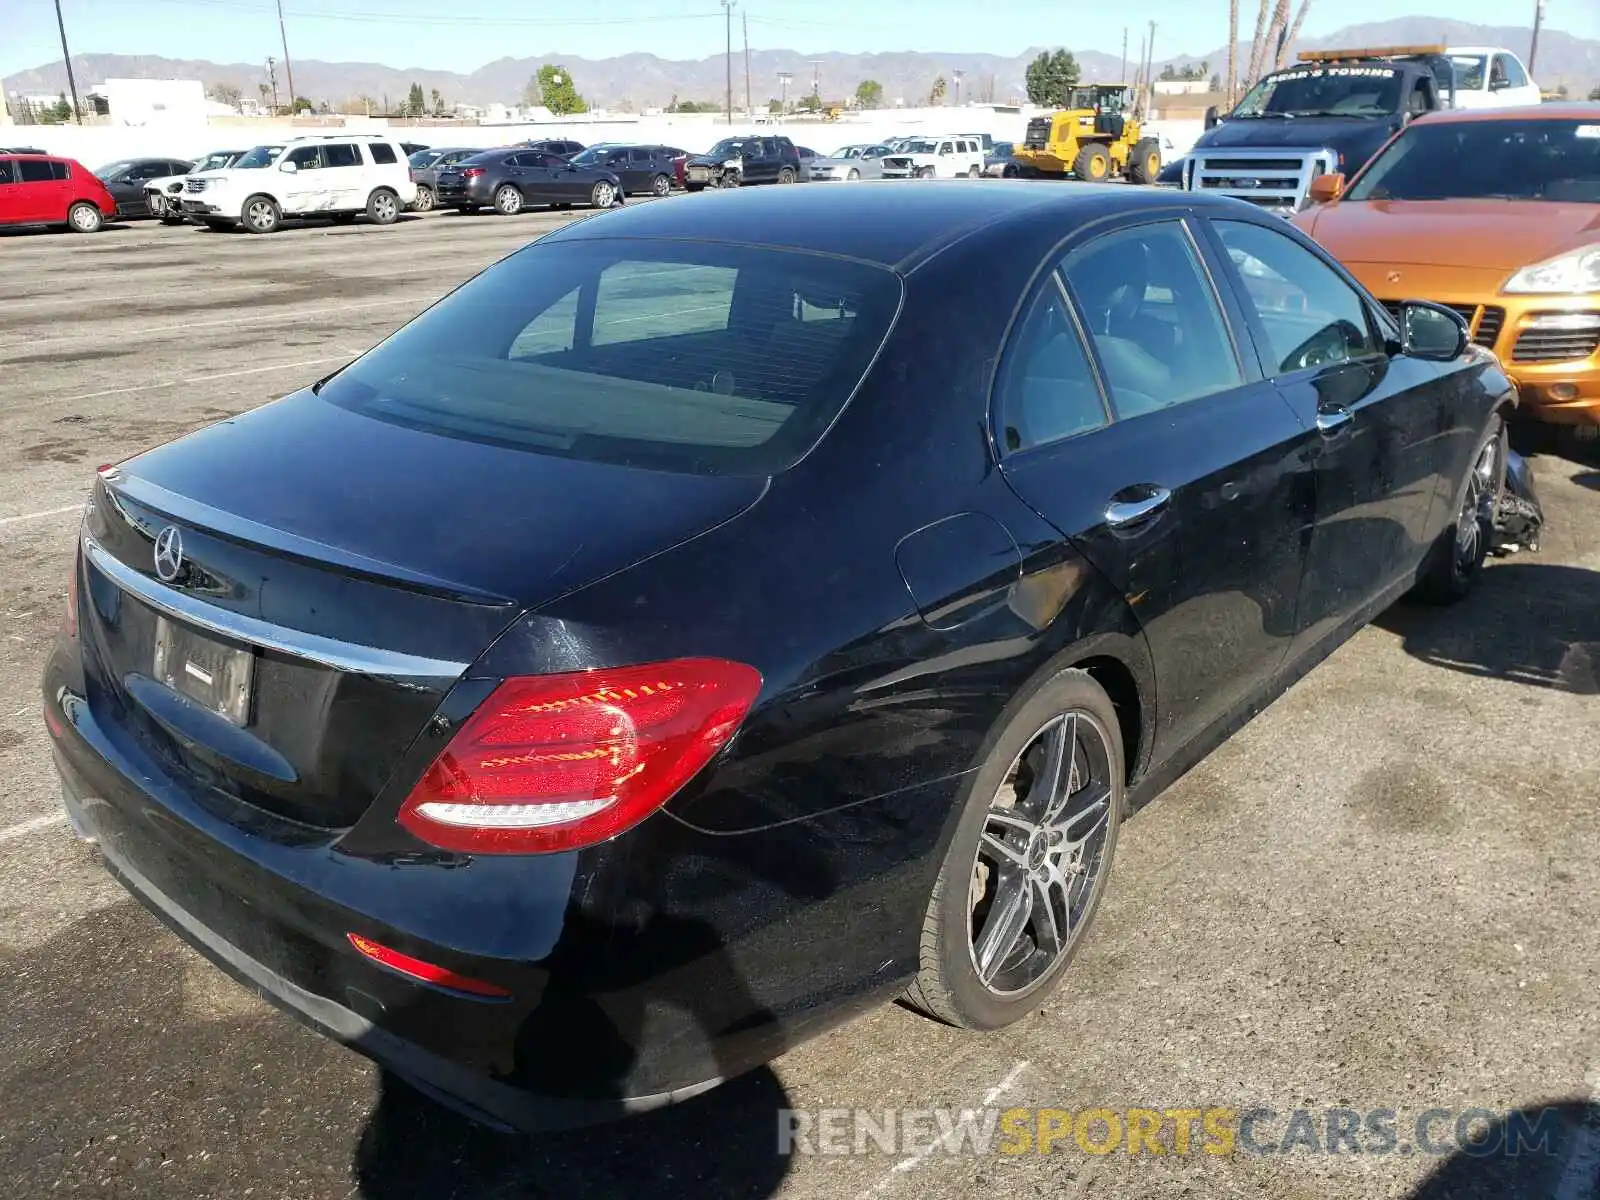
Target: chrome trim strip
<point x="342" y="656"/>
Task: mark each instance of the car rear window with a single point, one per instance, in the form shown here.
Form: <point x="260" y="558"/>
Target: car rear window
<point x="381" y="152"/>
<point x="37" y="170"/>
<point x="686" y="356"/>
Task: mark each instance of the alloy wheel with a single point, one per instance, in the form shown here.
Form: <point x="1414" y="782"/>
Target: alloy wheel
<point x="1476" y="504"/>
<point x="661" y="185"/>
<point x="1041" y="859"/>
<point x="508" y="200"/>
<point x="260" y="216"/>
<point x="85" y="218"/>
<point x="604" y="194"/>
<point x="385" y="208"/>
<point x="424" y="201"/>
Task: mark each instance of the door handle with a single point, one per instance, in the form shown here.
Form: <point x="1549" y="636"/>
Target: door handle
<point x="1120" y="514"/>
<point x="1331" y="420"/>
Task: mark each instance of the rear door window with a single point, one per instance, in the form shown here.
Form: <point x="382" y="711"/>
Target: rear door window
<point x="34" y="170"/>
<point x="304" y="157"/>
<point x="382" y="153"/>
<point x="695" y="356"/>
<point x="341" y="154"/>
<point x="5" y="171"/>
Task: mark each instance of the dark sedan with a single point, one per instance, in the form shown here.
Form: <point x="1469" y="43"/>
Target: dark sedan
<point x="510" y="180"/>
<point x="718" y="619"/>
<point x="425" y="168"/>
<point x="643" y="170"/>
<point x="125" y="180"/>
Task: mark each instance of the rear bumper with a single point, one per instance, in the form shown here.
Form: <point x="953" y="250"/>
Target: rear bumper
<point x="641" y="972"/>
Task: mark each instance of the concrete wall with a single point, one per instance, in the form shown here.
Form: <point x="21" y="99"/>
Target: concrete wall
<point x="94" y="144"/>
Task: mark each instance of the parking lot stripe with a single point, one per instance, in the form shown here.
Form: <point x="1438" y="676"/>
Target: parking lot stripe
<point x="34" y="516"/>
<point x="11" y="833"/>
<point x="166" y="383"/>
<point x="921" y="1156"/>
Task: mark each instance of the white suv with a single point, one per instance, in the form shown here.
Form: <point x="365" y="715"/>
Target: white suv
<point x="935" y="158"/>
<point x="341" y="175"/>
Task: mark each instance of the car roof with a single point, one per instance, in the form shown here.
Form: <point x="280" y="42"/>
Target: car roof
<point x="890" y="224"/>
<point x="1569" y="110"/>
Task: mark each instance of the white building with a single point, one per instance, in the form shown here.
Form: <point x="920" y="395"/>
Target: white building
<point x="145" y="102"/>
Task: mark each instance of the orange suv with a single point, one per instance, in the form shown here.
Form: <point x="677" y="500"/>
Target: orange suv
<point x="1496" y="213"/>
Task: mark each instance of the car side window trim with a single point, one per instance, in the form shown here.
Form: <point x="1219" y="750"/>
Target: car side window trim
<point x="1381" y="327"/>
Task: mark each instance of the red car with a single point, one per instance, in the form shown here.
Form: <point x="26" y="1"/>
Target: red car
<point x="41" y="189"/>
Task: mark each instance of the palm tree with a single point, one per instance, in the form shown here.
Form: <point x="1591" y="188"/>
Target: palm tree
<point x="1258" y="44"/>
<point x="1294" y="31"/>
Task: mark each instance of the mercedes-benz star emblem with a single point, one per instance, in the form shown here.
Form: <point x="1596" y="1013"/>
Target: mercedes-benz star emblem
<point x="169" y="554"/>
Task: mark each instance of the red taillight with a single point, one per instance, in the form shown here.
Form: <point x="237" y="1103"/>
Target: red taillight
<point x="558" y="762"/>
<point x="471" y="172"/>
<point x="426" y="971"/>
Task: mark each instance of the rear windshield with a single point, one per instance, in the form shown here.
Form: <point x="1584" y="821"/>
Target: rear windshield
<point x="686" y="356"/>
<point x="1555" y="160"/>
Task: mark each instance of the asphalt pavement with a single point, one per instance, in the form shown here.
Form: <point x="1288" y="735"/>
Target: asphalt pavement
<point x="1379" y="896"/>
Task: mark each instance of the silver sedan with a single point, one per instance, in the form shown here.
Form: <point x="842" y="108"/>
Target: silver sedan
<point x="850" y="163"/>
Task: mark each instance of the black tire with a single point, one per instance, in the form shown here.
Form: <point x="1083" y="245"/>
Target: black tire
<point x="217" y="224"/>
<point x="466" y="210"/>
<point x="1144" y="161"/>
<point x="508" y="200"/>
<point x="383" y="207"/>
<point x="169" y="217"/>
<point x="425" y="199"/>
<point x="343" y="218"/>
<point x="1456" y="559"/>
<point x="1093" y="164"/>
<point x="261" y="214"/>
<point x="786" y="175"/>
<point x="693" y="188"/>
<point x="660" y="186"/>
<point x="853" y="176"/>
<point x="974" y="172"/>
<point x="925" y="173"/>
<point x="948" y="986"/>
<point x="84" y="217"/>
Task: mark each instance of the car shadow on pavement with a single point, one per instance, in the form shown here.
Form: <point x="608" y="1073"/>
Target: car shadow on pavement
<point x="722" y="1144"/>
<point x="1549" y="1151"/>
<point x="1588" y="479"/>
<point x="1527" y="622"/>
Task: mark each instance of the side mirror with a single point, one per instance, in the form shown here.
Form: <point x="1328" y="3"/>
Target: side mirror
<point x="1212" y="117"/>
<point x="1432" y="332"/>
<point x="1325" y="189"/>
<point x="288" y="168"/>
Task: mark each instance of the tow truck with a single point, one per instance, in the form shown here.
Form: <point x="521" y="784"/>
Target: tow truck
<point x="1329" y="112"/>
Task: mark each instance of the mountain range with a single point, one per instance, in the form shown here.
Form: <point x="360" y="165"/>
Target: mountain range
<point x="644" y="80"/>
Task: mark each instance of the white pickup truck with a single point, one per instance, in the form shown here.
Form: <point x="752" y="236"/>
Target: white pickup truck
<point x="1490" y="77"/>
<point x="936" y="158"/>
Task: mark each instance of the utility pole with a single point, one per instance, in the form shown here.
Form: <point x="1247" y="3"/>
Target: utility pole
<point x="66" y="56"/>
<point x="727" y="10"/>
<point x="816" y="80"/>
<point x="956" y="78"/>
<point x="272" y="78"/>
<point x="1149" y="72"/>
<point x="1123" y="76"/>
<point x="1533" y="48"/>
<point x="783" y="91"/>
<point x="287" y="68"/>
<point x="748" y="110"/>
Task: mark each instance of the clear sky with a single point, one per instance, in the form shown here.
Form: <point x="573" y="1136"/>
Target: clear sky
<point x="460" y="35"/>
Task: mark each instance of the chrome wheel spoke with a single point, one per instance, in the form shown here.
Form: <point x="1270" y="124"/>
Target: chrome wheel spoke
<point x="1047" y="932"/>
<point x="1010" y="820"/>
<point x="1006" y="923"/>
<point x="1003" y="852"/>
<point x="1098" y="807"/>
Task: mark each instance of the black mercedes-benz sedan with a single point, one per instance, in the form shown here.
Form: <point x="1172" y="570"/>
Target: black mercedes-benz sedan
<point x="510" y="180"/>
<point x="713" y="620"/>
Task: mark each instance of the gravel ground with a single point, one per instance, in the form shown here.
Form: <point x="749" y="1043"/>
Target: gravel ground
<point x="1379" y="895"/>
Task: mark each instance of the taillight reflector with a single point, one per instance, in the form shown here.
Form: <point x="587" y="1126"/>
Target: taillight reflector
<point x="558" y="762"/>
<point x="471" y="172"/>
<point x="425" y="971"/>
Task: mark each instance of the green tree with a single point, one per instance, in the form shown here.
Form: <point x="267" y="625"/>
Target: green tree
<point x="1594" y="93"/>
<point x="775" y="106"/>
<point x="438" y="103"/>
<point x="937" y="91"/>
<point x="1051" y="78"/>
<point x="63" y="107"/>
<point x="811" y="102"/>
<point x="553" y="88"/>
<point x="416" y="105"/>
<point x="869" y="93"/>
<point x="301" y="104"/>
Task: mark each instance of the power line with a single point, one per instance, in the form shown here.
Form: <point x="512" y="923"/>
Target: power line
<point x="404" y="18"/>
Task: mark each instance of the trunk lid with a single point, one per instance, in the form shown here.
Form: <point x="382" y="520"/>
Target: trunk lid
<point x="344" y="572"/>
